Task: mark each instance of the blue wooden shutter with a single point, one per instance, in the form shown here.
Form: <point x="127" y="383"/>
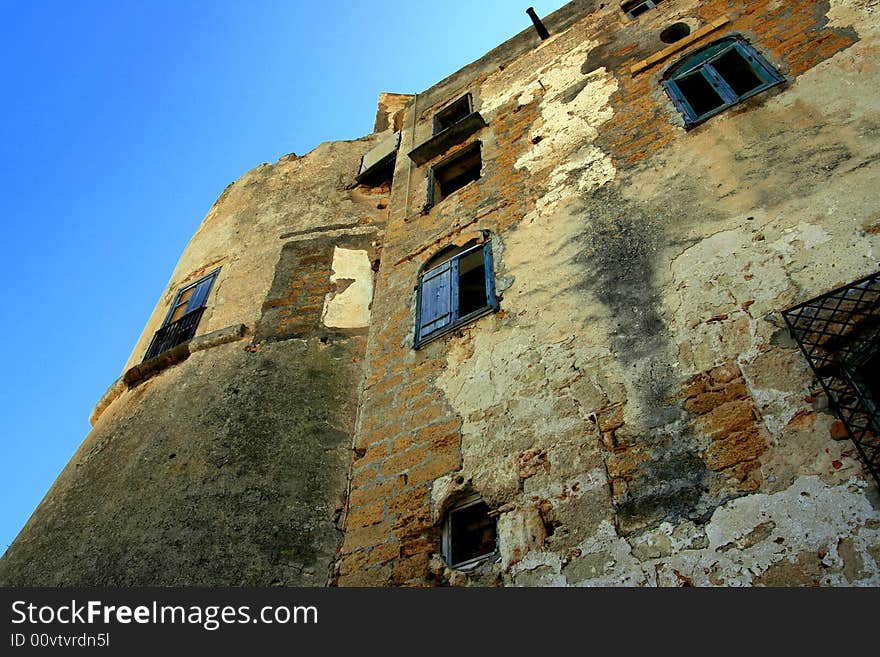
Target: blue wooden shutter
<point x="678" y="100"/>
<point x="435" y="299"/>
<point x="200" y="294"/>
<point x="491" y="299"/>
<point x="761" y="66"/>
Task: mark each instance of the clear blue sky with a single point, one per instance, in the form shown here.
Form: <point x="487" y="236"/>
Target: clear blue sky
<point x="121" y="122"/>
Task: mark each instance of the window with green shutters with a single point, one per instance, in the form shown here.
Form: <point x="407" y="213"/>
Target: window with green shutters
<point x="716" y="77"/>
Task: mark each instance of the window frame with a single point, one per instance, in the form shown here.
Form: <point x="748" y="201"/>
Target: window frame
<point x="701" y="61"/>
<point x="447" y="537"/>
<point x="433" y="194"/>
<point x="207" y="278"/>
<point x="448" y="109"/>
<point x="449" y="266"/>
<point x="629" y="7"/>
<point x="175" y="332"/>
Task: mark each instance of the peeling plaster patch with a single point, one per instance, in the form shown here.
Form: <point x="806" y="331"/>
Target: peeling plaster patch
<point x="349" y="308"/>
<point x="568" y="131"/>
<point x="572" y="108"/>
<point x="619" y="566"/>
<point x="863" y="15"/>
<point x="764" y="531"/>
<point x="555" y="76"/>
<point x="807" y="236"/>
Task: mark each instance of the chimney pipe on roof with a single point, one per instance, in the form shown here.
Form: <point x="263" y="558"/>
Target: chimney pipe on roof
<point x="539" y="26"/>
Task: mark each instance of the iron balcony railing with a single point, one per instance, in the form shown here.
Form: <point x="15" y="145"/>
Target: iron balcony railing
<point x="175" y="333"/>
<point x="839" y="333"/>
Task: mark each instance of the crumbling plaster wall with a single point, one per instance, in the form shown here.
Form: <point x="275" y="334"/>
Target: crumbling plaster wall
<point x="242" y="232"/>
<point x="635" y="412"/>
<point x="229" y="467"/>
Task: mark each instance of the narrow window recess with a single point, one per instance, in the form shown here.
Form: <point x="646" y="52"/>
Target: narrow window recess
<point x="453" y="173"/>
<point x="720" y="75"/>
<point x="183" y="317"/>
<point x="469" y="534"/>
<point x="453" y="113"/>
<point x="456" y="287"/>
<point x="377" y="164"/>
<point x="450" y="126"/>
<point x="635" y="8"/>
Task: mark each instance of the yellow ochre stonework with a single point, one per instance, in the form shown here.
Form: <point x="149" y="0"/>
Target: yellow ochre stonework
<point x="635" y="412"/>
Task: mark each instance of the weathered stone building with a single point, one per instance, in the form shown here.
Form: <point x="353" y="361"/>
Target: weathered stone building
<point x="543" y="327"/>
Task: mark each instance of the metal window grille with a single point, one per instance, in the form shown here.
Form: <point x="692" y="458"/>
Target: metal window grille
<point x="175" y="333"/>
<point x="839" y="333"/>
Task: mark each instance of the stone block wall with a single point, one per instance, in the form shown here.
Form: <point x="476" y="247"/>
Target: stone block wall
<point x="634" y="414"/>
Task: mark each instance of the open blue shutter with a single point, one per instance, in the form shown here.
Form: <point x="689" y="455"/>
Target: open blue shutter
<point x="678" y="100"/>
<point x="435" y="299"/>
<point x="761" y="66"/>
<point x="200" y="294"/>
<point x="491" y="299"/>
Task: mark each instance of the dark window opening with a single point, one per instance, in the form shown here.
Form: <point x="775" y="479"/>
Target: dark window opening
<point x="469" y="533"/>
<point x="635" y="8"/>
<point x="454" y="173"/>
<point x="183" y="317"/>
<point x="867" y="377"/>
<point x="735" y="70"/>
<point x="839" y="334"/>
<point x="675" y="32"/>
<point x="471" y="282"/>
<point x="456" y="287"/>
<point x="452" y="114"/>
<point x="377" y="164"/>
<point x="717" y="76"/>
<point x="380" y="176"/>
<point x="700" y="94"/>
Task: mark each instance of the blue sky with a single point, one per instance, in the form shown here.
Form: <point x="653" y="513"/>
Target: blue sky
<point x="122" y="122"/>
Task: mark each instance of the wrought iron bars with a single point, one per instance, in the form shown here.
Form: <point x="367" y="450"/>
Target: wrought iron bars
<point x="839" y="333"/>
<point x="175" y="333"/>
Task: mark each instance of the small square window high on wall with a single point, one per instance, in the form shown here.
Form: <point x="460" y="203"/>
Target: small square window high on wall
<point x="452" y="114"/>
<point x="635" y="8"/>
<point x="453" y="173"/>
<point x="183" y="317"/>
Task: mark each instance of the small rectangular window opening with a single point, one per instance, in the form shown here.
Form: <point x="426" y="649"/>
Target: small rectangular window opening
<point x="700" y="94"/>
<point x="183" y="317"/>
<point x="736" y="72"/>
<point x="470" y="534"/>
<point x="454" y="173"/>
<point x="471" y="283"/>
<point x="452" y="114"/>
<point x="635" y="8"/>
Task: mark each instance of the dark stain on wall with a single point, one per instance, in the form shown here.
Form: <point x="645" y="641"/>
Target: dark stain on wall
<point x="623" y="245"/>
